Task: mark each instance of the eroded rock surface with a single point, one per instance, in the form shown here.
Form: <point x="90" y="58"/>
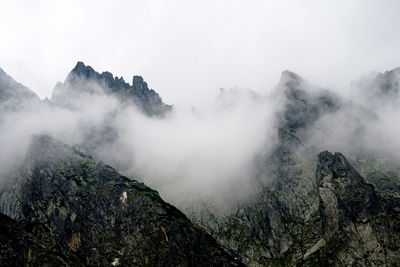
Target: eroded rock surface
<point x="84" y="79"/>
<point x="69" y="210"/>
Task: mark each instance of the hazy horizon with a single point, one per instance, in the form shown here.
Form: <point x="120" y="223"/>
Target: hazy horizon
<point x="186" y="51"/>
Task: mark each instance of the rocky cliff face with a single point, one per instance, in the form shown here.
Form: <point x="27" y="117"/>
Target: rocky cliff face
<point x="68" y="210"/>
<point x="14" y="95"/>
<point x="332" y="218"/>
<point x="380" y="88"/>
<point x="358" y="225"/>
<point x="61" y="207"/>
<point x="85" y="79"/>
<point x="85" y="86"/>
<point x="303" y="102"/>
<point x="315" y="209"/>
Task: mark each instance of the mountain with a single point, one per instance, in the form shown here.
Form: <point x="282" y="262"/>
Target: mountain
<point x="379" y="88"/>
<point x="14" y="95"/>
<point x="314" y="208"/>
<point x="359" y="226"/>
<point x="303" y="102"/>
<point x="85" y="79"/>
<point x="61" y="208"/>
<point x="84" y="86"/>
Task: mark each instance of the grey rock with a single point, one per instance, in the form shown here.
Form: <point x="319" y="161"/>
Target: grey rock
<point x="14" y="95"/>
<point x="84" y="78"/>
<point x="303" y="102"/>
<point x="72" y="211"/>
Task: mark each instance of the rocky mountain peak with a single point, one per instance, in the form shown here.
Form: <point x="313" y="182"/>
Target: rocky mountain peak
<point x="84" y="78"/>
<point x="303" y="103"/>
<point x="82" y="70"/>
<point x="2" y="72"/>
<point x="389" y="82"/>
<point x="75" y="211"/>
<point x="139" y="84"/>
<point x="290" y="80"/>
<point x="137" y="80"/>
<point x="379" y="89"/>
<point x="336" y="176"/>
<point x="13" y="94"/>
<point x="335" y="166"/>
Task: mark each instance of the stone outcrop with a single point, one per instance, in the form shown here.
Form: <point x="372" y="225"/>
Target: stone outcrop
<point x="14" y="95"/>
<point x="64" y="209"/>
<point x="61" y="207"/>
<point x="85" y="79"/>
<point x="315" y="209"/>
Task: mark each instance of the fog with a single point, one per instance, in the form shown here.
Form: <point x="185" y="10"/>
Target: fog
<point x="187" y="49"/>
<point x="190" y="156"/>
<point x="205" y="150"/>
<point x="366" y="125"/>
<point x="208" y="155"/>
<point x="203" y="157"/>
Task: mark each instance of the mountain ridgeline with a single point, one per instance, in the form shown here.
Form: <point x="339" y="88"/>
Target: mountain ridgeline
<point x="84" y="79"/>
<point x="14" y="95"/>
<point x="62" y="205"/>
<point x="73" y="211"/>
<point x="315" y="209"/>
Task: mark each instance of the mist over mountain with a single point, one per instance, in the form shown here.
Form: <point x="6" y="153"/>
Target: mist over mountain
<point x="85" y="80"/>
<point x="69" y="210"/>
<point x="13" y="94"/>
<point x="251" y="173"/>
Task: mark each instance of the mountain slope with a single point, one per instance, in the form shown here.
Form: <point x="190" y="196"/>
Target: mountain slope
<point x="303" y="103"/>
<point x="313" y="209"/>
<point x="295" y="220"/>
<point x="87" y="214"/>
<point x="359" y="226"/>
<point x="85" y="79"/>
<point x="13" y="94"/>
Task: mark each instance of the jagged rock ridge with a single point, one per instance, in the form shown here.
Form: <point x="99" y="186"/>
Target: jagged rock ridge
<point x="302" y="107"/>
<point x="84" y="78"/>
<point x="313" y="211"/>
<point x="13" y="94"/>
<point x="71" y="211"/>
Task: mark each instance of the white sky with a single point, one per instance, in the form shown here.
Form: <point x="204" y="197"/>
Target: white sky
<point x="186" y="50"/>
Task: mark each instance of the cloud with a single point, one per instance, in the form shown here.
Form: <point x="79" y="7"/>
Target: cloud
<point x="206" y="157"/>
<point x="190" y="157"/>
<point x="187" y="49"/>
<point x="201" y="156"/>
<point x="365" y="125"/>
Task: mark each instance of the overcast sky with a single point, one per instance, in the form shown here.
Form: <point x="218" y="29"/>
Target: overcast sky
<point x="186" y="50"/>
